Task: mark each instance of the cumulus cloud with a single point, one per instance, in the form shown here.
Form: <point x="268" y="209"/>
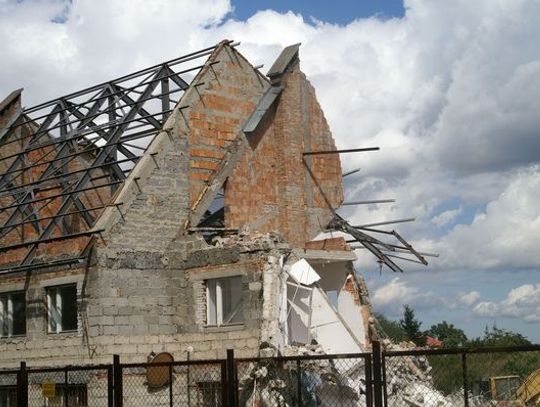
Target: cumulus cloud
<point x="390" y="297"/>
<point x="449" y="92"/>
<point x="505" y="235"/>
<point x="446" y="217"/>
<point x="521" y="302"/>
<point x="469" y="298"/>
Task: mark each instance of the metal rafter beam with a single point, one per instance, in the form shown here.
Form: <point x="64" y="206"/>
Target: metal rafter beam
<point x="70" y="142"/>
<point x="100" y="159"/>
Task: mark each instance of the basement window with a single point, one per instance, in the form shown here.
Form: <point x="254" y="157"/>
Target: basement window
<point x="8" y="396"/>
<point x="12" y="314"/>
<point x="62" y="308"/>
<point x="224" y="301"/>
<point x="209" y="394"/>
<point x="72" y="395"/>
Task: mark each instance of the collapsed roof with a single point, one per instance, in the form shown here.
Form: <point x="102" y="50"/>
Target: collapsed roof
<point x="64" y="162"/>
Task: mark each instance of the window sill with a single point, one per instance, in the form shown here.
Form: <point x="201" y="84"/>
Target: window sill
<point x="74" y="333"/>
<point x="14" y="338"/>
<point x="223" y="328"/>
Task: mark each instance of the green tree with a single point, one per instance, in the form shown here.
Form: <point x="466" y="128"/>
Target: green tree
<point x="390" y="329"/>
<point x="447" y="333"/>
<point x="411" y="326"/>
<point x="500" y="337"/>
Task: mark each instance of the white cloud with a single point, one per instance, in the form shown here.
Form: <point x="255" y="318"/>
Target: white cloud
<point x="446" y="217"/>
<point x="505" y="235"/>
<point x="391" y="297"/>
<point x="449" y="92"/>
<point x="521" y="302"/>
<point x="396" y="291"/>
<point x="469" y="298"/>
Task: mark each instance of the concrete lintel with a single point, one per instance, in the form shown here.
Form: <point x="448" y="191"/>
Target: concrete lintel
<point x="326" y="255"/>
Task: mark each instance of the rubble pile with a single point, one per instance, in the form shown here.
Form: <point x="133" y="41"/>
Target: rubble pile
<point x="409" y="383"/>
<point x="324" y="382"/>
<point x="248" y="241"/>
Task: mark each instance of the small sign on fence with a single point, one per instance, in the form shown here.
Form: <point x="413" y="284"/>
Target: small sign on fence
<point x="48" y="388"/>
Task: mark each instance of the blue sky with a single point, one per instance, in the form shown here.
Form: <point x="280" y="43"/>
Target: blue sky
<point x="448" y="90"/>
<point x="341" y="11"/>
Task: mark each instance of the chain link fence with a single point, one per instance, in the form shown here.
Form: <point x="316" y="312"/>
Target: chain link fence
<point x="504" y="377"/>
<point x="311" y="381"/>
<point x="9" y="390"/>
<point x="192" y="384"/>
<point x="496" y="377"/>
<point x="69" y="387"/>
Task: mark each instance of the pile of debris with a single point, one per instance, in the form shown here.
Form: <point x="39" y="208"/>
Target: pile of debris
<point x="248" y="241"/>
<point x="316" y="382"/>
<point x="408" y="380"/>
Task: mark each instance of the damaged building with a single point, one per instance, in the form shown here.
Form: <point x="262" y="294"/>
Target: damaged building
<point x="178" y="208"/>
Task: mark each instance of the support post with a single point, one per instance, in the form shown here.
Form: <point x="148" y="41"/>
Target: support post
<point x="66" y="387"/>
<point x="231" y="379"/>
<point x="224" y="389"/>
<point x="117" y="379"/>
<point x="110" y="387"/>
<point x="465" y="384"/>
<point x="377" y="374"/>
<point x="22" y="386"/>
<point x="171" y="396"/>
<point x="369" y="380"/>
<point x="299" y="382"/>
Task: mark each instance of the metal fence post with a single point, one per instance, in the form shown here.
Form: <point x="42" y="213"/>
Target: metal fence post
<point x="22" y="386"/>
<point x="110" y="387"/>
<point x="377" y="374"/>
<point x="369" y="387"/>
<point x="231" y="379"/>
<point x="66" y="387"/>
<point x="299" y="382"/>
<point x="465" y="384"/>
<point x="224" y="389"/>
<point x="117" y="380"/>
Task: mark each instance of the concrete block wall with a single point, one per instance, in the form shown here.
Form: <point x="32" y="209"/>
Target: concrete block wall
<point x="132" y="307"/>
<point x="142" y="291"/>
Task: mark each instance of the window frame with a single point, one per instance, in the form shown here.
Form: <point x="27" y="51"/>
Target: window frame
<point x="216" y="300"/>
<point x="79" y="390"/>
<point x="8" y="393"/>
<point x="210" y="393"/>
<point x="59" y="328"/>
<point x="7" y="306"/>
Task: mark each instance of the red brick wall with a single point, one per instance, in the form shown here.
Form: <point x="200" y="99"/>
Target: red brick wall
<point x="46" y="208"/>
<point x="271" y="189"/>
<point x="230" y="93"/>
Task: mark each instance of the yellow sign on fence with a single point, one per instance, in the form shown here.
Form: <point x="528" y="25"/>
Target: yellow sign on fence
<point x="48" y="388"/>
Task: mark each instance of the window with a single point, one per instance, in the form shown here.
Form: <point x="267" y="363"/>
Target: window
<point x="62" y="308"/>
<point x="8" y="396"/>
<point x="12" y="314"/>
<point x="77" y="396"/>
<point x="209" y="394"/>
<point x="224" y="301"/>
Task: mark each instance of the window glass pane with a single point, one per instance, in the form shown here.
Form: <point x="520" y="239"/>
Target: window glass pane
<point x="232" y="300"/>
<point x="52" y="313"/>
<point x="211" y="303"/>
<point x="3" y="315"/>
<point x="19" y="313"/>
<point x="69" y="307"/>
<point x="8" y="397"/>
<point x="233" y="311"/>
